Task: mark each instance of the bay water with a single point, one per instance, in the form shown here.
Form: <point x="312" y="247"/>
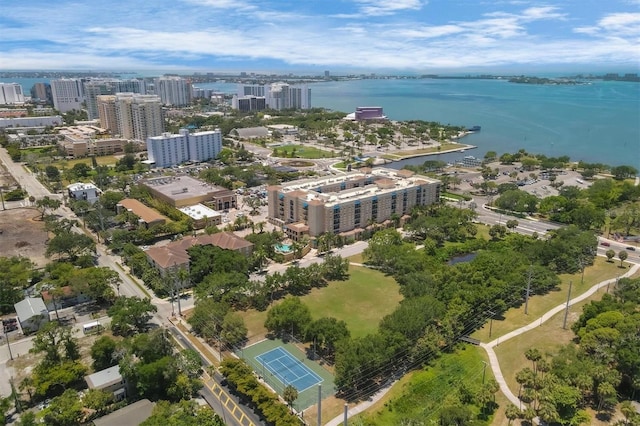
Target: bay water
<point x="598" y="122"/>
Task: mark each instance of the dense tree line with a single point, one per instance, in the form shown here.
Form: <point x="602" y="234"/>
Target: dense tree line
<point x="241" y="379"/>
<point x="443" y="302"/>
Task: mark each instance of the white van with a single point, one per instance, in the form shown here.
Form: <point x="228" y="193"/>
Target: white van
<point x="92" y="327"/>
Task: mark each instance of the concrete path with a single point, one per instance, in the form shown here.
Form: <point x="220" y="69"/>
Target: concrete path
<point x="493" y="359"/>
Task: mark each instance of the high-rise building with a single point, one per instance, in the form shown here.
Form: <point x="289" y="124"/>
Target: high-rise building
<point x="138" y="116"/>
<point x="277" y="96"/>
<point x="93" y="89"/>
<point x="248" y="103"/>
<point x="67" y="93"/>
<point x="107" y="113"/>
<point x="174" y="91"/>
<point x="42" y="92"/>
<point x="97" y="87"/>
<point x="11" y="93"/>
<point x="172" y="149"/>
<point x="348" y="204"/>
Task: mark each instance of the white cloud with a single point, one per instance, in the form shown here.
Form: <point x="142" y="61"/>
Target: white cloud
<point x="387" y="7"/>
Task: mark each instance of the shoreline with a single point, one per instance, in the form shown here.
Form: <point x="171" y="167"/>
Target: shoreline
<point x="401" y="157"/>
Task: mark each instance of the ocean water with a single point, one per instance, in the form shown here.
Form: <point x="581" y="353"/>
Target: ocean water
<point x="597" y="122"/>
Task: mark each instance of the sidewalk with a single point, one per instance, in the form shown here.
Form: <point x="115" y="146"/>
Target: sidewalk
<point x="493" y="358"/>
<point x="488" y="347"/>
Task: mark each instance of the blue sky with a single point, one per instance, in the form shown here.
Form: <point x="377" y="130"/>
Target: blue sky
<point x="337" y="35"/>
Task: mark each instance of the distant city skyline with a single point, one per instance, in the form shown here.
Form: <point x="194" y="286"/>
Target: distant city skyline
<point x="312" y="36"/>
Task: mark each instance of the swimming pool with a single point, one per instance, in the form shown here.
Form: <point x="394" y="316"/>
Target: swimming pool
<point x="283" y="248"/>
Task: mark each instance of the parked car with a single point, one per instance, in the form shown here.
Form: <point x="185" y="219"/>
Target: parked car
<point x="605" y="243"/>
<point x="630" y="248"/>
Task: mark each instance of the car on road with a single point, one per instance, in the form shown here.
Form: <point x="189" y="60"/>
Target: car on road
<point x="630" y="248"/>
<point x="605" y="243"/>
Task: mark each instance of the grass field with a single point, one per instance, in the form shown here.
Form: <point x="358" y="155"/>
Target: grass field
<point x="302" y="151"/>
<point x="515" y="318"/>
<point x="421" y="394"/>
<point x="361" y="301"/>
<point x="107" y="160"/>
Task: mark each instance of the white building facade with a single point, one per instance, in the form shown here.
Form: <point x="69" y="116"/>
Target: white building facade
<point x="277" y="96"/>
<point x="174" y="91"/>
<point x="67" y="93"/>
<point x="11" y="94"/>
<point x="172" y="149"/>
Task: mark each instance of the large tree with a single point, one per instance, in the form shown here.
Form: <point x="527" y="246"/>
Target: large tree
<point x="70" y="244"/>
<point x="291" y="317"/>
<point x="130" y="314"/>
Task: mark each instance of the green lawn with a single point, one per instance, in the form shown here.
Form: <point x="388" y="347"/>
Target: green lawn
<point x="301" y="151"/>
<point x="108" y="160"/>
<point x="515" y="318"/>
<point x="361" y="301"/>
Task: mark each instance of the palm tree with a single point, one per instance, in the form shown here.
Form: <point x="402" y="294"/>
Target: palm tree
<point x="290" y="394"/>
<point x="512" y="412"/>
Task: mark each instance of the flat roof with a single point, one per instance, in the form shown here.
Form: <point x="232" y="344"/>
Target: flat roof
<point x="103" y="378"/>
<point x="181" y="187"/>
<point x="199" y="211"/>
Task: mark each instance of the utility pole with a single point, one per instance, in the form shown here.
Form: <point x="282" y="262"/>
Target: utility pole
<point x="319" y="405"/>
<point x="526" y="300"/>
<point x="6" y="336"/>
<point x="566" y="309"/>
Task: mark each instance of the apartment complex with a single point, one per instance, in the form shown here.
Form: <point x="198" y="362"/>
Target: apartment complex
<point x="67" y="94"/>
<point x="172" y="149"/>
<point x="348" y="204"/>
<point x="97" y="87"/>
<point x="131" y="115"/>
<point x="278" y="96"/>
<point x="11" y="94"/>
<point x="173" y="90"/>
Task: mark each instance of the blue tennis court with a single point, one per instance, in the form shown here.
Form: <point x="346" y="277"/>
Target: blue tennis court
<point x="288" y="369"/>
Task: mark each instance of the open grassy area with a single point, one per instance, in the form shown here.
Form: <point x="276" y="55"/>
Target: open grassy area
<point x="108" y="160"/>
<point x="301" y="151"/>
<point x="361" y="301"/>
<point x="421" y="394"/>
<point x="515" y="318"/>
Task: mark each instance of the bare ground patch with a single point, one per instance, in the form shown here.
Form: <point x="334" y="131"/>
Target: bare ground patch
<point x="22" y="234"/>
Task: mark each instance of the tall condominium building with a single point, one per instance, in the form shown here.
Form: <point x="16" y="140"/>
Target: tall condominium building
<point x="93" y="89"/>
<point x="67" y="93"/>
<point x="97" y="87"/>
<point x="138" y="116"/>
<point x="174" y="91"/>
<point x="248" y="103"/>
<point x="278" y="96"/>
<point x="172" y="149"/>
<point x="348" y="204"/>
<point x="11" y="93"/>
<point x="106" y="105"/>
<point x="42" y="92"/>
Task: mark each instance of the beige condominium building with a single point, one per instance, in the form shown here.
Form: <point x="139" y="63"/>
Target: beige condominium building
<point x="348" y="204"/>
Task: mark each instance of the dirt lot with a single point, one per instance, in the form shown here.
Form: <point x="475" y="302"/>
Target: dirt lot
<point x="22" y="234"/>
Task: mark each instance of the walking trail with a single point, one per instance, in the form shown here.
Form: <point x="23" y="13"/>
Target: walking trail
<point x="493" y="359"/>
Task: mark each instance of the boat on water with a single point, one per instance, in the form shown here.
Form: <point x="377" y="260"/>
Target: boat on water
<point x="474" y="129"/>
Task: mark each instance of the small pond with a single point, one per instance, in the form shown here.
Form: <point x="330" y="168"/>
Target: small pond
<point x="467" y="257"/>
